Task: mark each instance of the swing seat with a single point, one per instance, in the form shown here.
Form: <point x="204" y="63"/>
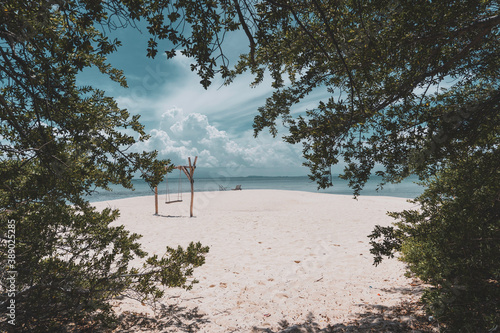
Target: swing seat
<point x="172" y="201"/>
<point x="179" y="191"/>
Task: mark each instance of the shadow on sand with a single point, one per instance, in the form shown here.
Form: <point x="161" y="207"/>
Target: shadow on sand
<point x="406" y="317"/>
<point x="170" y="318"/>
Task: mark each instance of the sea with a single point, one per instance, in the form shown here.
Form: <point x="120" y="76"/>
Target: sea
<point x="175" y="187"/>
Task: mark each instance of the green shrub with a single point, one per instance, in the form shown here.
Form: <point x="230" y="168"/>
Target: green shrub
<point x="453" y="243"/>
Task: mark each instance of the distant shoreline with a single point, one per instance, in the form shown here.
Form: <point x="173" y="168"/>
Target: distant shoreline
<point x="406" y="189"/>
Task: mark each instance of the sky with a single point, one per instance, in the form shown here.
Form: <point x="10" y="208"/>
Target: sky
<point x="185" y="120"/>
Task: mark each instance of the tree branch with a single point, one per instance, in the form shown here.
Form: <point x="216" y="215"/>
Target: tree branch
<point x="246" y="29"/>
<point x="339" y="52"/>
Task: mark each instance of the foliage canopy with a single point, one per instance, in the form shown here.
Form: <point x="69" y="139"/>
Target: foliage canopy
<point x="59" y="142"/>
<point x="406" y="85"/>
<point x="411" y="87"/>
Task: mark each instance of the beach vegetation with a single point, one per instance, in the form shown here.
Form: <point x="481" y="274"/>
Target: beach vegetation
<point x="406" y="88"/>
<point x="451" y="243"/>
<point x="62" y="260"/>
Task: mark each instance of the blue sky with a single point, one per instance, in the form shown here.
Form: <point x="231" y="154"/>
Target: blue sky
<point x="184" y="119"/>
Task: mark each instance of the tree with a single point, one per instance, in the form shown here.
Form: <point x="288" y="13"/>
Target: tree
<point x="411" y="88"/>
<point x="451" y="242"/>
<point x="407" y="85"/>
<point x="59" y="142"/>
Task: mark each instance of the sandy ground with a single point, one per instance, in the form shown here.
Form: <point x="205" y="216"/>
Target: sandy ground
<point x="274" y="255"/>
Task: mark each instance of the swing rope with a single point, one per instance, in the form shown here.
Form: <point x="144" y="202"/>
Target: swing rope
<point x="167" y="197"/>
<point x="179" y="190"/>
<point x="179" y="187"/>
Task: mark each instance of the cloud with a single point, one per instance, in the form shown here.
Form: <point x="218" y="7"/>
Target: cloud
<point x="171" y="83"/>
<point x="180" y="135"/>
<point x="185" y="120"/>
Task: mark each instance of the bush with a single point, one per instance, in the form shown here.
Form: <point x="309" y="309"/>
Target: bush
<point x="453" y="243"/>
<point x="69" y="262"/>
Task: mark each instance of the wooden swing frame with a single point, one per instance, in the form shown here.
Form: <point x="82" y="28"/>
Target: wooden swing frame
<point x="189" y="172"/>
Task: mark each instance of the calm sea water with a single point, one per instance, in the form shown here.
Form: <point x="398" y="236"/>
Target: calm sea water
<point x="407" y="189"/>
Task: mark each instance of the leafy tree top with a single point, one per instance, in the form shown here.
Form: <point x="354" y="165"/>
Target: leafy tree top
<point x="387" y="67"/>
<point x="58" y="141"/>
<point x="411" y="84"/>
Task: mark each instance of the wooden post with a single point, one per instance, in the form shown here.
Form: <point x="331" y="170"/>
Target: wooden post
<point x="192" y="183"/>
<point x="156" y="200"/>
<point x="191" y="179"/>
<point x="189" y="171"/>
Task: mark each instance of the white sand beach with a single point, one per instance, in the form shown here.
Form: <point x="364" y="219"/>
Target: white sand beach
<point x="274" y="255"/>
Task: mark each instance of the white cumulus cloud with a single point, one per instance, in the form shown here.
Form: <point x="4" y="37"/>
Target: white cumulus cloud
<point x="180" y="135"/>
